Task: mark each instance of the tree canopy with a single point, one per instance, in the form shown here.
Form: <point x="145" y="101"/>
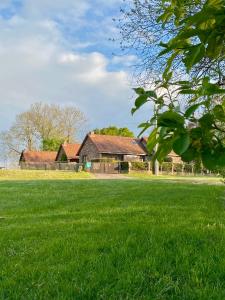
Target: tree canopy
<point x="197" y="46"/>
<point x="43" y="127"/>
<point x="113" y="130"/>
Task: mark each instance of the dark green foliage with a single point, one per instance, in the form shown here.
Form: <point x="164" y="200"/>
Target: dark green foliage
<point x="139" y="166"/>
<point x="113" y="239"/>
<point x="124" y="166"/>
<point x="198" y="43"/>
<point x="64" y="157"/>
<point x="51" y="144"/>
<point x="113" y="130"/>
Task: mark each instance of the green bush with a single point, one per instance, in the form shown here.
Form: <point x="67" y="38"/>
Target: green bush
<point x="197" y="166"/>
<point x="178" y="167"/>
<point x="166" y="167"/>
<point x="124" y="166"/>
<point x="188" y="168"/>
<point x="168" y="159"/>
<point x="105" y="160"/>
<point x="139" y="166"/>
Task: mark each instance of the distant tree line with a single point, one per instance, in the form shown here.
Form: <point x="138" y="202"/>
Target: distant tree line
<point x="113" y="130"/>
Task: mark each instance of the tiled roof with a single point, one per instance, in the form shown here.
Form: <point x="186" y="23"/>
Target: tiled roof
<point x="38" y="156"/>
<point x="117" y="144"/>
<point x="71" y="150"/>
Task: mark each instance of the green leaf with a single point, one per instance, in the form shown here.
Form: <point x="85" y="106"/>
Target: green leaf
<point x="213" y="160"/>
<point x="144" y="127"/>
<point x="193" y="56"/>
<point x="151" y="94"/>
<point x="219" y="113"/>
<point x="181" y="144"/>
<point x="196" y="133"/>
<point x="164" y="149"/>
<point x="188" y="92"/>
<point x="152" y="140"/>
<point x="166" y="73"/>
<point x="192" y="109"/>
<point x="171" y="119"/>
<point x="190" y="154"/>
<point x="140" y="91"/>
<point x="141" y="100"/>
<point x="165" y="16"/>
<point x="163" y="131"/>
<point x="206" y="121"/>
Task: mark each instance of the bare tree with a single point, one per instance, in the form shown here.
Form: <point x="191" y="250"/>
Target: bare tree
<point x="42" y="125"/>
<point x="72" y="120"/>
<point x="142" y="34"/>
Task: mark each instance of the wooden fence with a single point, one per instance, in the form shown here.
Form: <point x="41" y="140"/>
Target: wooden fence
<point x="169" y="168"/>
<point x="63" y="166"/>
<point x="118" y="167"/>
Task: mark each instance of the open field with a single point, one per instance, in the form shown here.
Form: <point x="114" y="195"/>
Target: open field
<point x="114" y="239"/>
<point x="41" y="175"/>
<point x="179" y="178"/>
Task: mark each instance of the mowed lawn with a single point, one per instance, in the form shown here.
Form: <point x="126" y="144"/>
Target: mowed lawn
<point x="111" y="239"/>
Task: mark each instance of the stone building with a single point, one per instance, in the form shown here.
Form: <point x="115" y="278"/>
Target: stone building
<point x="97" y="147"/>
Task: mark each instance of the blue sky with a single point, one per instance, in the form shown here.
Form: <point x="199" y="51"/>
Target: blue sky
<point x="58" y="51"/>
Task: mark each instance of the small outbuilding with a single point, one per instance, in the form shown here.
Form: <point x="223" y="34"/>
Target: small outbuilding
<point x="37" y="157"/>
<point x="100" y="147"/>
<point x="68" y="153"/>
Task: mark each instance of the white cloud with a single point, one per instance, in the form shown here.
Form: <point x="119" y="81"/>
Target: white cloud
<point x="57" y="8"/>
<point x="38" y="65"/>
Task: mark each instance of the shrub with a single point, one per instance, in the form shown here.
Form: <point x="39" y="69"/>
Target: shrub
<point x="139" y="166"/>
<point x="188" y="168"/>
<point x="197" y="166"/>
<point x="168" y="159"/>
<point x="178" y="167"/>
<point x="124" y="165"/>
<point x="166" y="167"/>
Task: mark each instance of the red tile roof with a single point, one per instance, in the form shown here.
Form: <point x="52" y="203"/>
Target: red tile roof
<point x="71" y="150"/>
<point x="38" y="156"/>
<point x="117" y="144"/>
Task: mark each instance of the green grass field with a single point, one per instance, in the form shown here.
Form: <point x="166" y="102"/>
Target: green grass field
<point x="179" y="178"/>
<point x="42" y="175"/>
<point x="111" y="239"/>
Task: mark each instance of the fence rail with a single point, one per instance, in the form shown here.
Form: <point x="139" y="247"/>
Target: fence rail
<point x="63" y="166"/>
<point x="119" y="167"/>
<point x="170" y="168"/>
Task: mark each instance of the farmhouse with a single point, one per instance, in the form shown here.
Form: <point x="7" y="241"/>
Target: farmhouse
<point x="37" y="157"/>
<point x="68" y="153"/>
<point x="98" y="147"/>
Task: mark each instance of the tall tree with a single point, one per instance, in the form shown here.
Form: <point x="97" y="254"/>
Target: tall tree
<point x="43" y="127"/>
<point x="197" y="46"/>
<point x="113" y="130"/>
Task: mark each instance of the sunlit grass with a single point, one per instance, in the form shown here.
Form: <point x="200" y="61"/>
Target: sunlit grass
<point x="184" y="178"/>
<point x="98" y="239"/>
<point x="41" y="175"/>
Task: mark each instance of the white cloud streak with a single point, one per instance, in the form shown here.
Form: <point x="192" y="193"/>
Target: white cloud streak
<point x="38" y="65"/>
